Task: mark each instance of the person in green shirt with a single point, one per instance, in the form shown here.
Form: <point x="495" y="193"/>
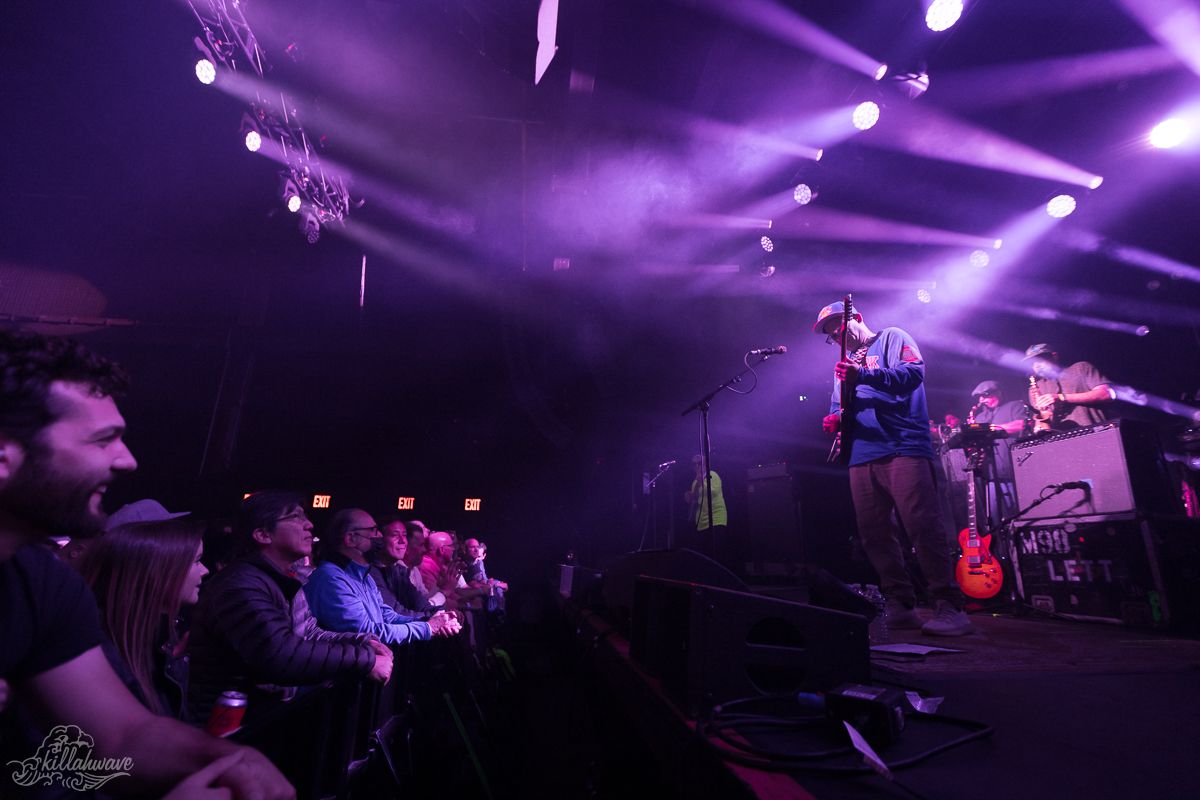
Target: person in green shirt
<point x="712" y="543"/>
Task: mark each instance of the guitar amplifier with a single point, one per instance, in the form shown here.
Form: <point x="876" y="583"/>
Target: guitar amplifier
<point x="1119" y="462"/>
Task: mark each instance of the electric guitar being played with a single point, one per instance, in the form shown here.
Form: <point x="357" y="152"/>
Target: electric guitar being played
<point x="840" y="451"/>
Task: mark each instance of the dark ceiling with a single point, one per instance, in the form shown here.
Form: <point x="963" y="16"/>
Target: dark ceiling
<point x="473" y="365"/>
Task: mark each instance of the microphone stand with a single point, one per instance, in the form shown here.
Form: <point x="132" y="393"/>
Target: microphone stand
<point x="1020" y="606"/>
<point x="703" y="405"/>
<point x="649" y="488"/>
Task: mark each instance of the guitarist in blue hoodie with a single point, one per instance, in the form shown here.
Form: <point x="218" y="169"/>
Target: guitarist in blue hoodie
<point x="886" y="443"/>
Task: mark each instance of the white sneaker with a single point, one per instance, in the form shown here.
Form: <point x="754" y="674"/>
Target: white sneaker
<point x="948" y="621"/>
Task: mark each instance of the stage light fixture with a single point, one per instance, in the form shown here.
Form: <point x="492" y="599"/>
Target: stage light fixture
<point x="1060" y="206"/>
<point x="253" y="141"/>
<point x="803" y="194"/>
<point x="293" y="203"/>
<point x="913" y="84"/>
<point x="206" y="73"/>
<point x="980" y="259"/>
<point x="942" y="14"/>
<point x="767" y="244"/>
<point x="1142" y="330"/>
<point x="996" y="245"/>
<point x="1169" y="133"/>
<point x="924" y="296"/>
<point x="881" y="72"/>
<point x="310" y="226"/>
<point x="766" y="271"/>
<point x="1095" y="182"/>
<point x="866" y="114"/>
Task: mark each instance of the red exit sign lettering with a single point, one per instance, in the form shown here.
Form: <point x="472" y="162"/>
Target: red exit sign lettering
<point x="472" y="504"/>
<point x="406" y="503"/>
<point x="321" y="500"/>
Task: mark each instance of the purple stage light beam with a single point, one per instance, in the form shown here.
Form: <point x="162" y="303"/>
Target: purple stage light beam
<point x="780" y="22"/>
<point x="1174" y="23"/>
<point x="1008" y="84"/>
<point x="828" y="224"/>
<point x="921" y="131"/>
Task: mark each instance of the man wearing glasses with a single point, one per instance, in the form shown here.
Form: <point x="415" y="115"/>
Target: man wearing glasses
<point x="253" y="631"/>
<point x="891" y="466"/>
<point x="344" y="597"/>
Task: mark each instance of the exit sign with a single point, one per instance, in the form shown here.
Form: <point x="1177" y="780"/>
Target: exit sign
<point x="406" y="503"/>
<point x="472" y="504"/>
<point x="321" y="500"/>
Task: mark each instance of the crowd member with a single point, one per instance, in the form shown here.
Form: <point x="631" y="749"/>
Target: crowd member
<point x="891" y="467"/>
<point x="442" y="568"/>
<point x="1070" y="397"/>
<point x="72" y="551"/>
<point x="418" y="542"/>
<point x="391" y="574"/>
<point x="476" y="571"/>
<point x="61" y="446"/>
<point x="344" y="597"/>
<point x="253" y="631"/>
<point x="142" y="574"/>
<point x="418" y="547"/>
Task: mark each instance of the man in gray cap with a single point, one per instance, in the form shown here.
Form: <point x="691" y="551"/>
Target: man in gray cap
<point x="1068" y="398"/>
<point x="989" y="409"/>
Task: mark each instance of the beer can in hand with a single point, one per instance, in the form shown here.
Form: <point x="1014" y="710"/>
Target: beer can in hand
<point x="227" y="714"/>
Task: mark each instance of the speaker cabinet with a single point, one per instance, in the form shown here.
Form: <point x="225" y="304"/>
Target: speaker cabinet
<point x="708" y="645"/>
<point x="773" y="516"/>
<point x="1119" y="461"/>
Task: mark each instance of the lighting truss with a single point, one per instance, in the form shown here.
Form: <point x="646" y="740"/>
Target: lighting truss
<point x="230" y="43"/>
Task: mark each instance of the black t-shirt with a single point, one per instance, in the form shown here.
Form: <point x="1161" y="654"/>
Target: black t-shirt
<point x="48" y="614"/>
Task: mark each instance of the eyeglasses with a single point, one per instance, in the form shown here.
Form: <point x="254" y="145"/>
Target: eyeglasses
<point x="374" y="528"/>
<point x="295" y="516"/>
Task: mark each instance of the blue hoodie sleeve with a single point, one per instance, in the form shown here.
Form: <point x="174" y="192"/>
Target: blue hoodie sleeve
<point x="904" y="368"/>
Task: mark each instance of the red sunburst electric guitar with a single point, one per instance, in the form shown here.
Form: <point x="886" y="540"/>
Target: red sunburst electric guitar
<point x="978" y="572"/>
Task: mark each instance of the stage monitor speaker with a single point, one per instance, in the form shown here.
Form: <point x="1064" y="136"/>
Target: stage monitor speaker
<point x="709" y="646"/>
<point x="1119" y="461"/>
<point x="773" y="516"/>
<point x="679" y="565"/>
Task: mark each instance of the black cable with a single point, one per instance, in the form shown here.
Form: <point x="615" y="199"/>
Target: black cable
<point x="771" y="761"/>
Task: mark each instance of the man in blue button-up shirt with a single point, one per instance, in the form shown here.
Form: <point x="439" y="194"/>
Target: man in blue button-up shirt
<point x="343" y="595"/>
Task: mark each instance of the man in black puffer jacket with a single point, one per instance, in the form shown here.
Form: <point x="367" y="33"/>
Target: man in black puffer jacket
<point x="253" y="632"/>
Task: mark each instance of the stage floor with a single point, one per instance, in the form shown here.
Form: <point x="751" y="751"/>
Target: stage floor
<point x="1037" y="643"/>
<point x="1079" y="709"/>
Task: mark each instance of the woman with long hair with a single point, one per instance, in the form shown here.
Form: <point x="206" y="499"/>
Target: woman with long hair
<point x="142" y="575"/>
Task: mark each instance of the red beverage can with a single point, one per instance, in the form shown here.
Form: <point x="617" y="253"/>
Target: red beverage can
<point x="227" y="714"/>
